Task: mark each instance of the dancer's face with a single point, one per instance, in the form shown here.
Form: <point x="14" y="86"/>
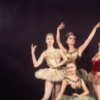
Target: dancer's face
<point x="71" y="40"/>
<point x="49" y="40"/>
<point x="71" y="68"/>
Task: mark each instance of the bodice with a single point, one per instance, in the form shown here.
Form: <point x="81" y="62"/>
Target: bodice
<point x="96" y="66"/>
<point x="73" y="86"/>
<point x="53" y="57"/>
<point x="69" y="90"/>
<point x="74" y="56"/>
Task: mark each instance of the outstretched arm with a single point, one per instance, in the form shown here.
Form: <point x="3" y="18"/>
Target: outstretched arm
<point x="85" y="44"/>
<point x="60" y="94"/>
<point x="36" y="63"/>
<point x="61" y="26"/>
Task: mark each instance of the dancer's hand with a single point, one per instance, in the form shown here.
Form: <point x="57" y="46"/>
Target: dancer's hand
<point x="52" y="66"/>
<point x="33" y="48"/>
<point x="61" y="26"/>
<point x="97" y="25"/>
<point x="75" y="94"/>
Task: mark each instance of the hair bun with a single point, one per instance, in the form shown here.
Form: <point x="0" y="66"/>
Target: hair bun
<point x="70" y="33"/>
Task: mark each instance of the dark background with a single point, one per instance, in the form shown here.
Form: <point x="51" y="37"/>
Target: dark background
<point x="23" y="22"/>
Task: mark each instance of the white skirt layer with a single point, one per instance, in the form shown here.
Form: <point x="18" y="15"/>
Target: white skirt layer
<point x="54" y="75"/>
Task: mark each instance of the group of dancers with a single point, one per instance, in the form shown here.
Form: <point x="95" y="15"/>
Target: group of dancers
<point x="69" y="82"/>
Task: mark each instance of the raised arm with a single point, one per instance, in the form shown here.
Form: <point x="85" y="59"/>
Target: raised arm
<point x="60" y="94"/>
<point x="87" y="41"/>
<point x="61" y="26"/>
<point x="36" y="63"/>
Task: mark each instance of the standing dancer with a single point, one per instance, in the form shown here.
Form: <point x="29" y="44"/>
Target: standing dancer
<point x="73" y="53"/>
<point x="76" y="85"/>
<point x="53" y="75"/>
<point x="94" y="76"/>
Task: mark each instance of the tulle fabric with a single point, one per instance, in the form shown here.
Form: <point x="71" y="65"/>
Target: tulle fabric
<point x="65" y="97"/>
<point x="54" y="75"/>
<point x="95" y="79"/>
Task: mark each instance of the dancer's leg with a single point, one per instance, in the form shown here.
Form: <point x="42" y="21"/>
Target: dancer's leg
<point x="48" y="90"/>
<point x="53" y="92"/>
<point x="56" y="89"/>
<point x="97" y="90"/>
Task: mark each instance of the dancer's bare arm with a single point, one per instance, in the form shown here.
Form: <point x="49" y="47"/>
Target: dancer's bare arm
<point x="36" y="63"/>
<point x="86" y="91"/>
<point x="64" y="58"/>
<point x="61" y="26"/>
<point x="87" y="41"/>
<point x="60" y="94"/>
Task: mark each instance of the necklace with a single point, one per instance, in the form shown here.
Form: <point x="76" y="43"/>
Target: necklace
<point x="72" y="52"/>
<point x="73" y="80"/>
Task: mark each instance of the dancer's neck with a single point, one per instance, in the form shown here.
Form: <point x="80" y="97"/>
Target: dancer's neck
<point x="71" y="48"/>
<point x="50" y="47"/>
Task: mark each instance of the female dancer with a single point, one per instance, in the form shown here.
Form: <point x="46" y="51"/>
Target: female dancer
<point x="94" y="76"/>
<point x="77" y="86"/>
<point x="54" y="74"/>
<point x="74" y="53"/>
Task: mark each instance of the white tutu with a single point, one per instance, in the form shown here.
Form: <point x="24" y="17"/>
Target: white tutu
<point x="54" y="75"/>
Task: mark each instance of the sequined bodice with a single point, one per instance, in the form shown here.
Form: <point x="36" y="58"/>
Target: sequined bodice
<point x="72" y="55"/>
<point x="53" y="57"/>
<point x="73" y="87"/>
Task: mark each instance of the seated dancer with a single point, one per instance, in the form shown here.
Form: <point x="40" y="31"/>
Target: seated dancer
<point x="94" y="76"/>
<point x="76" y="85"/>
<point x="54" y="74"/>
<point x="75" y="53"/>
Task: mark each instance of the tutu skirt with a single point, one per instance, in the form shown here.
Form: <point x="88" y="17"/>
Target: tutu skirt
<point x="95" y="79"/>
<point x="65" y="97"/>
<point x="54" y="75"/>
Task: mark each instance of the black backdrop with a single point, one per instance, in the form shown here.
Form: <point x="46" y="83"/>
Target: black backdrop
<point x="23" y="22"/>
